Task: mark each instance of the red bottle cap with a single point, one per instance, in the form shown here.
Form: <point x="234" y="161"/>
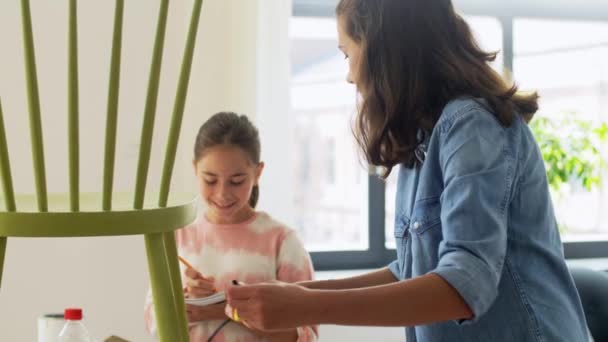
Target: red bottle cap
<point x="73" y="314"/>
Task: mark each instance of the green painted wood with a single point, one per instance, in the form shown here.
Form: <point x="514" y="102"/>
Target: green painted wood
<point x="5" y="168"/>
<point x="34" y="105"/>
<point x="7" y="185"/>
<point x="111" y="120"/>
<point x="96" y="223"/>
<point x="77" y="214"/>
<point x="176" y="279"/>
<point x="150" y="109"/>
<point x="169" y="329"/>
<point x="73" y="139"/>
<point x="180" y="101"/>
<point x="176" y="120"/>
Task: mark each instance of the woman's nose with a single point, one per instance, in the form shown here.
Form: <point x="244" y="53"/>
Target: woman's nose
<point x="349" y="79"/>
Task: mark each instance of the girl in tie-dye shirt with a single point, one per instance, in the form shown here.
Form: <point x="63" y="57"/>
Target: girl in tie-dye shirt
<point x="230" y="240"/>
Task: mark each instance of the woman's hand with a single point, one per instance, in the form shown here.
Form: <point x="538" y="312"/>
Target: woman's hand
<point x="269" y="306"/>
<point x="205" y="313"/>
<point x="197" y="286"/>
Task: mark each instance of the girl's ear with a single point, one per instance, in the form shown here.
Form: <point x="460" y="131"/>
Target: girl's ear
<point x="258" y="172"/>
<point x="194" y="166"/>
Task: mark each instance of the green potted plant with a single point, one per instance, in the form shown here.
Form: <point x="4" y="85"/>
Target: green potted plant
<point x="571" y="148"/>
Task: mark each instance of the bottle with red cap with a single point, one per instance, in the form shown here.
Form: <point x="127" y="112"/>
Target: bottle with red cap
<point x="74" y="330"/>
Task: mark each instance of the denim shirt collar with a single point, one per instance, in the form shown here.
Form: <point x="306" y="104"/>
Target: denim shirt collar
<point x="420" y="151"/>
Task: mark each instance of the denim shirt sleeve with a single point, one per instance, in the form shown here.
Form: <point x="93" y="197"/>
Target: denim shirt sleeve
<point x="477" y="174"/>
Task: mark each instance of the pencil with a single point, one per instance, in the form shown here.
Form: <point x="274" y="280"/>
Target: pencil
<point x="187" y="264"/>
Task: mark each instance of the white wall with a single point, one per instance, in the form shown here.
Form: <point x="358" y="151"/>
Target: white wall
<point x="272" y="108"/>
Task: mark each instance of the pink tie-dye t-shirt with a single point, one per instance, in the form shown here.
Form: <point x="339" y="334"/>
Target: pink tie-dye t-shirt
<point x="260" y="249"/>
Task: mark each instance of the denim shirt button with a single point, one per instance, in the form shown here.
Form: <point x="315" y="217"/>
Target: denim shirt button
<point x="416" y="225"/>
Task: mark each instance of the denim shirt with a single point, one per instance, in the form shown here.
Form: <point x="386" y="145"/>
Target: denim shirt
<point x="477" y="212"/>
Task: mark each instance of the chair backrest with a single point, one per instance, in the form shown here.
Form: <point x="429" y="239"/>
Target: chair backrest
<point x="73" y="138"/>
<point x="592" y="286"/>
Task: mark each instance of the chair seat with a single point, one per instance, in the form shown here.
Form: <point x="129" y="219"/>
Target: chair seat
<point x="91" y="220"/>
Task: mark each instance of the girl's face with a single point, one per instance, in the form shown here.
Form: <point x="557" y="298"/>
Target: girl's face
<point x="352" y="52"/>
<point x="226" y="177"/>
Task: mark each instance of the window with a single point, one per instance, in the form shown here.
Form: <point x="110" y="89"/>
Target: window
<point x="567" y="62"/>
<point x="329" y="198"/>
<point x="560" y="52"/>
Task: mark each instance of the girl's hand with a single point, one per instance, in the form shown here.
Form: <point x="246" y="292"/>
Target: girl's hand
<point x="198" y="286"/>
<point x="270" y="306"/>
<point x="205" y="313"/>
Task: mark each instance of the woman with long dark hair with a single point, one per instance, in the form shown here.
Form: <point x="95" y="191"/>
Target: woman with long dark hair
<point x="479" y="252"/>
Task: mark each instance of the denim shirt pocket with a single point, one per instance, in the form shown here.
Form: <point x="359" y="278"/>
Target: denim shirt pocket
<point x="425" y="225"/>
<point x="427" y="215"/>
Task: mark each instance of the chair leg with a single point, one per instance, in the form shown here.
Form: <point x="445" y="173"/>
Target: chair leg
<point x="169" y="328"/>
<point x="2" y="253"/>
<point x="178" y="292"/>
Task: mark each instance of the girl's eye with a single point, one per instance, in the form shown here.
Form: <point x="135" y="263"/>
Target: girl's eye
<point x="239" y="182"/>
<point x="210" y="182"/>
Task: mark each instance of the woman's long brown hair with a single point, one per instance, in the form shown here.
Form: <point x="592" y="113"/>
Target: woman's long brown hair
<point x="417" y="55"/>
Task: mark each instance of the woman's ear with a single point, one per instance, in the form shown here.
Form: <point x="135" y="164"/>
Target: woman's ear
<point x="194" y="166"/>
<point x="258" y="172"/>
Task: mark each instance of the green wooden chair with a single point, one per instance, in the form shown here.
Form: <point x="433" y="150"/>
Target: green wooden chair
<point x="157" y="222"/>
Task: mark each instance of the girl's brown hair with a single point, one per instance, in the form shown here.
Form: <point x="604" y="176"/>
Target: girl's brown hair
<point x="227" y="128"/>
<point x="417" y="55"/>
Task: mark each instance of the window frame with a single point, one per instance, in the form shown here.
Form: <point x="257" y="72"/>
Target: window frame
<point x="377" y="255"/>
